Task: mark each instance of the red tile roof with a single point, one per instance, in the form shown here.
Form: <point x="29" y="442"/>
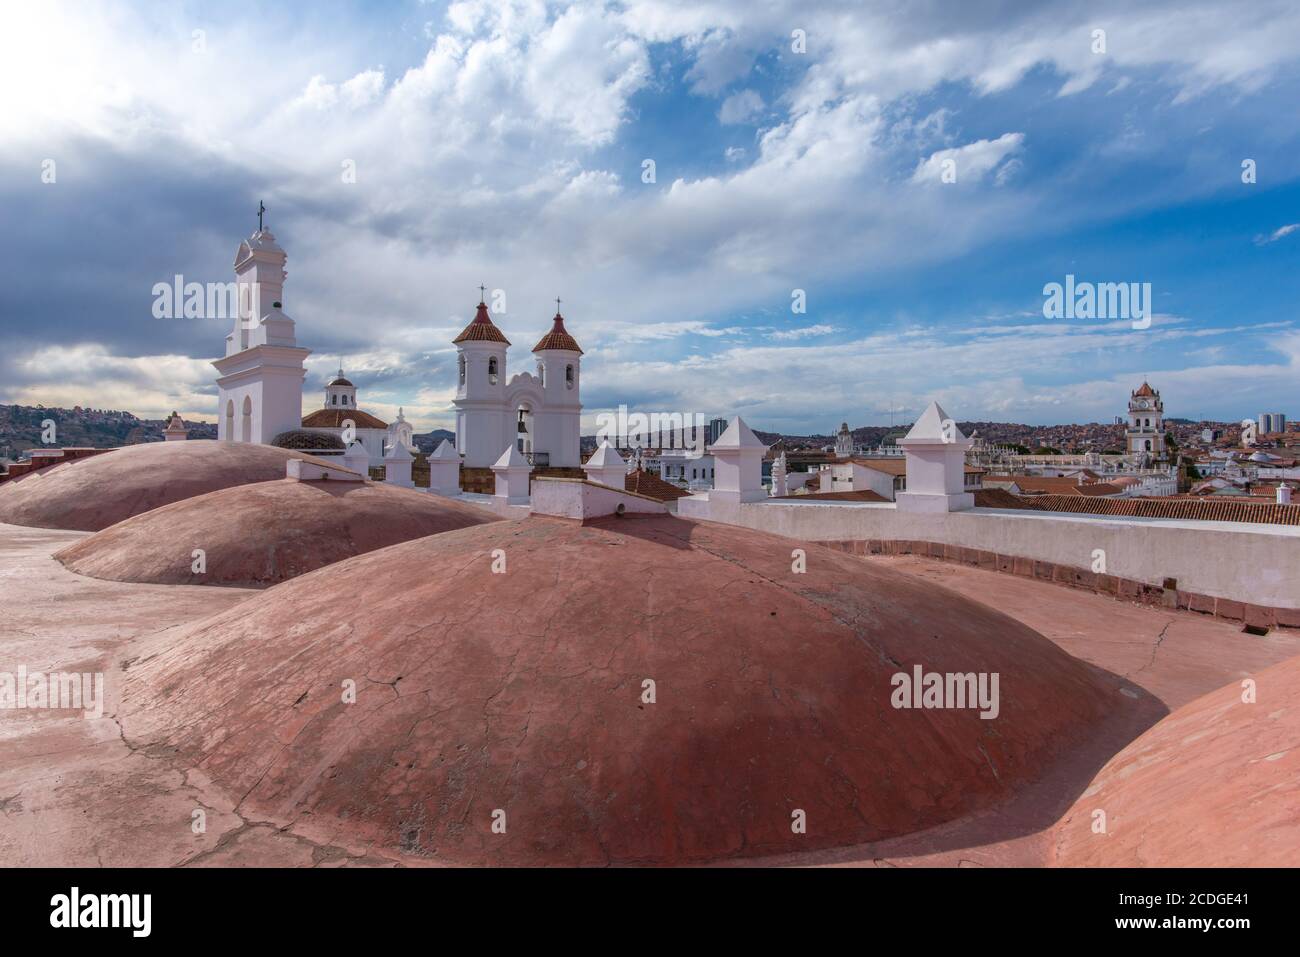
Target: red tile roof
<point x="861" y="495"/>
<point x="334" y="418"/>
<point x="894" y="466"/>
<point x="1145" y="390"/>
<point x="652" y="486"/>
<point x="482" y="329"/>
<point x="1201" y="509"/>
<point x="558" y="338"/>
<point x="997" y="498"/>
<point x="1098" y="488"/>
<point x="1053" y="484"/>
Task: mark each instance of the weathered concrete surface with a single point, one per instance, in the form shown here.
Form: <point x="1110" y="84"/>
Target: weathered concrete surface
<point x="523" y="692"/>
<point x="1215" y="783"/>
<point x="268" y="532"/>
<point x="72" y="791"/>
<point x="97" y="492"/>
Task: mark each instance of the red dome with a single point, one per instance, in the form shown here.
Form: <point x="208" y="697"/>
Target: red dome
<point x="265" y="533"/>
<point x="97" y="492"/>
<point x="1216" y="782"/>
<point x="631" y="691"/>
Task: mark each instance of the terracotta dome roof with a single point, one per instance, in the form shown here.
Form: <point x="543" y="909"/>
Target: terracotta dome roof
<point x="482" y="329"/>
<point x="526" y="694"/>
<point x="1145" y="390"/>
<point x="268" y="532"/>
<point x="342" y="381"/>
<point x="558" y="338"/>
<point x="332" y="418"/>
<point x="97" y="492"/>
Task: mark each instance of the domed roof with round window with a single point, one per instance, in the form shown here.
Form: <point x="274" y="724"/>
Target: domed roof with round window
<point x="306" y="439"/>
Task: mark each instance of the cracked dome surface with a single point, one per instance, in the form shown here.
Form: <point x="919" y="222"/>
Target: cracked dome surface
<point x="520" y="697"/>
<point x="91" y="494"/>
<point x="1217" y="782"/>
<point x="264" y="533"/>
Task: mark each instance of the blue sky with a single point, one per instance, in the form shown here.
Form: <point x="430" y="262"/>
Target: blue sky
<point x="503" y="143"/>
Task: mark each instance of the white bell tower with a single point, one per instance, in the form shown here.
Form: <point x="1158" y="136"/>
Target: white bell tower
<point x="559" y="422"/>
<point x="481" y="410"/>
<point x="1146" y="422"/>
<point x="259" y="383"/>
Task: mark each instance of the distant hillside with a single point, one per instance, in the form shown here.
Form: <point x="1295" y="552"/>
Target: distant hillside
<point x="428" y="441"/>
<point x="21" y="428"/>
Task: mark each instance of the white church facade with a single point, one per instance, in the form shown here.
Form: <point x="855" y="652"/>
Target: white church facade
<point x="539" y="415"/>
<point x="260" y="382"/>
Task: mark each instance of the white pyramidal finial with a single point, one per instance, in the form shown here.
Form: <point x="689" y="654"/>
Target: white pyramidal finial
<point x="738" y="435"/>
<point x="936" y="465"/>
<point x="511" y="458"/>
<point x="934" y="425"/>
<point x="606" y="456"/>
<point x="445" y="452"/>
<point x="606" y="466"/>
<point x="738" y="465"/>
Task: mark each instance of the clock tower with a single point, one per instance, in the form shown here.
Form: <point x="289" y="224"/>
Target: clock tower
<point x="1146" y="423"/>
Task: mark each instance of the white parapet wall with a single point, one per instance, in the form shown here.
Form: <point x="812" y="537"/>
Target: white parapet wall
<point x="300" y="471"/>
<point x="1240" y="561"/>
<point x="584" y="500"/>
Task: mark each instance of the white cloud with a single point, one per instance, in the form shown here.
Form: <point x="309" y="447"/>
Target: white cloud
<point x="971" y="162"/>
<point x="821" y="329"/>
<point x="1277" y="234"/>
<point x="740" y="107"/>
<point x="87" y="374"/>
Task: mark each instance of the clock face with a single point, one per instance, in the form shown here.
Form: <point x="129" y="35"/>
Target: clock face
<point x="1142" y="403"/>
